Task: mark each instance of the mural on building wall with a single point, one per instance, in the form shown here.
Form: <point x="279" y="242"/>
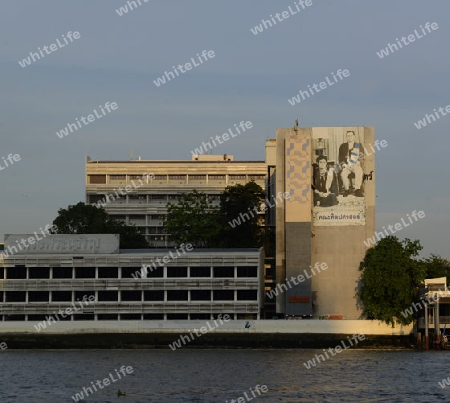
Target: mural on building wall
<point x="338" y="176"/>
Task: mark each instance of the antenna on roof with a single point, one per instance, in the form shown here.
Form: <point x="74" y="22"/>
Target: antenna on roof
<point x="296" y="124"/>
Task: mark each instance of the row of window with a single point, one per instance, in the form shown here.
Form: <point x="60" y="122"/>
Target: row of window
<point x="20" y="273"/>
<point x="130" y="296"/>
<point x="101" y="179"/>
<point x="133" y="316"/>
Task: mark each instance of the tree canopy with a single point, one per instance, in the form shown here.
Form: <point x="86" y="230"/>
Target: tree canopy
<point x="391" y="276"/>
<point x="89" y="219"/>
<point x="193" y="220"/>
<point x="234" y="224"/>
<point x="239" y="219"/>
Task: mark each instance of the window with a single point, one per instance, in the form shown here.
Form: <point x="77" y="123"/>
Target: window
<point x="256" y="177"/>
<point x="177" y="177"/>
<point x="39" y="272"/>
<point x="154" y="295"/>
<point x="84" y="272"/>
<point x="247" y="295"/>
<point x="18" y="272"/>
<point x="201" y="272"/>
<point x="108" y="272"/>
<point x="97" y="179"/>
<point x="137" y="177"/>
<point x="117" y="177"/>
<point x="200" y="295"/>
<point x="223" y="295"/>
<point x="160" y="177"/>
<point x="38" y="296"/>
<point x="153" y="316"/>
<point x="62" y="272"/>
<point x="108" y="296"/>
<point x="197" y="177"/>
<point x="80" y="295"/>
<point x="237" y="177"/>
<point x="217" y="177"/>
<point x="247" y="271"/>
<point x="131" y="295"/>
<point x="61" y="296"/>
<point x="224" y="272"/>
<point x="177" y="295"/>
<point x="176" y="272"/>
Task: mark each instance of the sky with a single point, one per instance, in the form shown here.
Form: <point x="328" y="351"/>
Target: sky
<point x="117" y="58"/>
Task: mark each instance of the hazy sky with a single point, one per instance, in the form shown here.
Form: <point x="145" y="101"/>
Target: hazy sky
<point x="251" y="78"/>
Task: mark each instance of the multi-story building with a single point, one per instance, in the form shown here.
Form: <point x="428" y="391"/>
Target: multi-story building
<point x="59" y="271"/>
<point x="138" y="191"/>
<point x="329" y="174"/>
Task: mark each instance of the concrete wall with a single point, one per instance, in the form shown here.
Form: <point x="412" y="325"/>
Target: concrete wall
<point x="366" y="327"/>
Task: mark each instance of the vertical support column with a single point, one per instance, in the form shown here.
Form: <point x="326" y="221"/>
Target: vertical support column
<point x="438" y="327"/>
<point x="426" y="327"/>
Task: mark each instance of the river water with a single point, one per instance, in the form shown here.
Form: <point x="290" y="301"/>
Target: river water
<point x="219" y="375"/>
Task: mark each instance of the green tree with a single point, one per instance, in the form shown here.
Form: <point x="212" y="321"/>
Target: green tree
<point x="89" y="219"/>
<point x="192" y="220"/>
<point x="437" y="266"/>
<point x="241" y="225"/>
<point x="391" y="276"/>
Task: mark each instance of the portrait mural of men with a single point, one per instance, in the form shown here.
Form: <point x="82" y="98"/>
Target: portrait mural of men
<point x="349" y="160"/>
<point x="338" y="176"/>
<point x="324" y="184"/>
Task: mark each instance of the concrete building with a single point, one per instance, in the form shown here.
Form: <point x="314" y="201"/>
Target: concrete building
<point x="59" y="271"/>
<point x="316" y="227"/>
<point x="138" y="191"/>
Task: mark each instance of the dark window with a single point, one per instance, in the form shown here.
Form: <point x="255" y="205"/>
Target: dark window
<point x="177" y="295"/>
<point x="201" y="272"/>
<point x="131" y="295"/>
<point x="247" y="295"/>
<point x="200" y="295"/>
<point x="224" y="272"/>
<point x="38" y="296"/>
<point x="40" y="317"/>
<point x="223" y="295"/>
<point x="117" y="177"/>
<point x="200" y="316"/>
<point x="62" y="296"/>
<point x="176" y="272"/>
<point x="84" y="316"/>
<point x="247" y="271"/>
<point x="108" y="272"/>
<point x="154" y="295"/>
<point x="19" y="318"/>
<point x="177" y="316"/>
<point x="84" y="272"/>
<point x="128" y="271"/>
<point x="155" y="273"/>
<point x="197" y="177"/>
<point x="107" y="316"/>
<point x="153" y="316"/>
<point x="79" y="295"/>
<point x="2" y="272"/>
<point x="108" y="295"/>
<point x="15" y="296"/>
<point x="130" y="316"/>
<point x="16" y="273"/>
<point x="62" y="272"/>
<point x="39" y="272"/>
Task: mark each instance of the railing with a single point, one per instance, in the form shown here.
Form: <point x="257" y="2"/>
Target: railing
<point x="126" y="284"/>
